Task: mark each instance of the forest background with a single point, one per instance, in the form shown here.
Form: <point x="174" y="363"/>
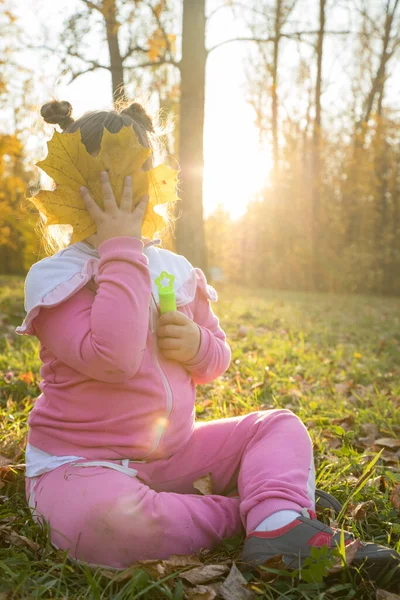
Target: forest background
<point x="286" y="126"/>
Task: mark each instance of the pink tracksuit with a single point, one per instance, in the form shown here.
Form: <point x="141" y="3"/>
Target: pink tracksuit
<point x="110" y="397"/>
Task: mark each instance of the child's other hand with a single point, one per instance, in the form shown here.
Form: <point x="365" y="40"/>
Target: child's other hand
<point x="178" y="337"/>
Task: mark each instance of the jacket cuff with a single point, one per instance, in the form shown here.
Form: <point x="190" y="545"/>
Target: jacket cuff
<point x="119" y="244"/>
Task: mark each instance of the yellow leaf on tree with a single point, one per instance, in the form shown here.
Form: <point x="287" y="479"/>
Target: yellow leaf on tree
<point x="121" y="154"/>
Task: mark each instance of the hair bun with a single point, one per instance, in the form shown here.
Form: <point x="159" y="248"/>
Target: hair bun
<point x="57" y="113"/>
<point x="137" y="113"/>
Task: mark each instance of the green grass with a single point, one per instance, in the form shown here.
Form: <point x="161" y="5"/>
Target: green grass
<point x="333" y="360"/>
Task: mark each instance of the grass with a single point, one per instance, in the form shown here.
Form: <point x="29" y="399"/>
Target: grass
<point x="333" y="360"/>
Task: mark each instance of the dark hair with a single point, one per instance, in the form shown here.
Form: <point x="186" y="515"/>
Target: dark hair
<point x="92" y="124"/>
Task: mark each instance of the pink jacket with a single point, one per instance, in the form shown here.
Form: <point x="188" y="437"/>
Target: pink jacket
<point x="107" y="392"/>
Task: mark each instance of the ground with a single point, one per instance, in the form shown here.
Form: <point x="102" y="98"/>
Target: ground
<point x="333" y="360"/>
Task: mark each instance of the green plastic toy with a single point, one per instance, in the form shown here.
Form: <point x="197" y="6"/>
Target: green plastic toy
<point x="165" y="285"/>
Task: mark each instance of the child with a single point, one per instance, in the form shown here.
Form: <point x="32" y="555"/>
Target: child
<point x="113" y="448"/>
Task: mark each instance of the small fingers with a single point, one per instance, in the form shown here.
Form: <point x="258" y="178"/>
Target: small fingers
<point x="126" y="198"/>
<point x="172" y="354"/>
<point x="169" y="343"/>
<point x="169" y="331"/>
<point x="92" y="207"/>
<point x="141" y="206"/>
<point x="110" y="205"/>
<point x="173" y="318"/>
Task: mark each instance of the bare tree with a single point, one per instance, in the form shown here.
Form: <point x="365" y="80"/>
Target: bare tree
<point x="130" y="42"/>
<point x="316" y="147"/>
<point x="390" y="43"/>
<point x="190" y="227"/>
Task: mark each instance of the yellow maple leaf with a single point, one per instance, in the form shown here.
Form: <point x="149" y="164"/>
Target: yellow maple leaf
<point x="121" y="154"/>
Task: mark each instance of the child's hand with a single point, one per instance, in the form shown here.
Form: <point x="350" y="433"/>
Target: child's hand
<point x="178" y="336"/>
<point x="115" y="221"/>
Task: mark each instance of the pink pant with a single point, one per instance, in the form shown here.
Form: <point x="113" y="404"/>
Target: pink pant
<point x="105" y="517"/>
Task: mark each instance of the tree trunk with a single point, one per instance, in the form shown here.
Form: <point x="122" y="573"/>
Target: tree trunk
<point x="190" y="226"/>
<point x="116" y="62"/>
<point x="277" y="39"/>
<point x="316" y="151"/>
<point x="386" y="54"/>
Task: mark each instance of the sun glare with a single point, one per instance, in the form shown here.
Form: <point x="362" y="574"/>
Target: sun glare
<point x="237" y="166"/>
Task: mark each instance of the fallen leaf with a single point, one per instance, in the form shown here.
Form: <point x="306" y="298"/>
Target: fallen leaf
<point x="332" y="441"/>
<point x="388" y="442"/>
<point x="276" y="563"/>
<point x="369" y="432"/>
<point x="183" y="560"/>
<point x="155" y="568"/>
<point x="383" y="595"/>
<point x="342" y="388"/>
<point x="204" y="485"/>
<point x="295" y="393"/>
<point x="362" y="508"/>
<point x="345" y="422"/>
<point x="350" y="551"/>
<point x="22" y="540"/>
<point x="233" y="586"/>
<point x="204" y="574"/>
<point x="201" y="592"/>
<point x="119" y="576"/>
<point x="4" y="461"/>
<point x="121" y="154"/>
<point x="378" y="481"/>
<point x="395" y="497"/>
<point x="160" y="568"/>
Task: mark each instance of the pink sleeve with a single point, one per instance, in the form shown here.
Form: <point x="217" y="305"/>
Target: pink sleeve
<point x="103" y="337"/>
<point x="214" y="355"/>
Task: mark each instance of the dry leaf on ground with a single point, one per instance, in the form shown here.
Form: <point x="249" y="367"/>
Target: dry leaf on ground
<point x="204" y="574"/>
<point x="160" y="568"/>
<point x="331" y="439"/>
<point x="22" y="540"/>
<point x="276" y="563"/>
<point x="395" y="497"/>
<point x="388" y="442"/>
<point x="295" y="393"/>
<point x="370" y="432"/>
<point x="4" y="461"/>
<point x="204" y="485"/>
<point x="155" y="568"/>
<point x="183" y="560"/>
<point x="345" y="422"/>
<point x="383" y="595"/>
<point x="360" y="510"/>
<point x="342" y="388"/>
<point x="351" y="551"/>
<point x="118" y="576"/>
<point x="233" y="586"/>
<point x="201" y="592"/>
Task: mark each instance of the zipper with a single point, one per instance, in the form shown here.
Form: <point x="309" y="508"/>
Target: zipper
<point x="167" y="388"/>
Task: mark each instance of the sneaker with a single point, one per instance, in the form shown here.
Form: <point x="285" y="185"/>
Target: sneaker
<point x="295" y="540"/>
<point x="323" y="500"/>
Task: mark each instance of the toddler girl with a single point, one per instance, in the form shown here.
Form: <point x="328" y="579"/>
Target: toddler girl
<point x="113" y="447"/>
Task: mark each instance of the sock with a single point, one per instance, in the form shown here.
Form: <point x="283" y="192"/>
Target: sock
<point x="277" y="520"/>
